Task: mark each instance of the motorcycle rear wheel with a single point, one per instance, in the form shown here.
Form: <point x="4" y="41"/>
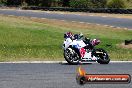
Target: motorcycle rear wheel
<point x="71" y="56"/>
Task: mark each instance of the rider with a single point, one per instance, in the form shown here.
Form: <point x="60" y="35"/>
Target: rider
<point x="90" y="43"/>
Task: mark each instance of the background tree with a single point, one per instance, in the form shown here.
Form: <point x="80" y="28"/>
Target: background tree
<point x="88" y="3"/>
<point x="45" y="3"/>
<point x="13" y="2"/>
<point x="33" y="2"/>
<point x="3" y="2"/>
<point x="116" y="4"/>
<point x="80" y="3"/>
<point x="66" y="3"/>
<point x="99" y="3"/>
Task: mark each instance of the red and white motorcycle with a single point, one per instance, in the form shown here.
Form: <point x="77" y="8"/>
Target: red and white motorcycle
<point x="77" y="51"/>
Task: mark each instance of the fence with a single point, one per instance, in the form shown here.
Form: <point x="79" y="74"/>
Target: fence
<point x="91" y="10"/>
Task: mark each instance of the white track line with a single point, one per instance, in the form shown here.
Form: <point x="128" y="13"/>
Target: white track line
<point x="34" y="17"/>
<point x="62" y="13"/>
<point x="73" y="21"/>
<point x="98" y="24"/>
<point x="82" y="22"/>
<point x="120" y="61"/>
<point x="43" y="18"/>
<point x="91" y="15"/>
<point x="61" y="62"/>
<point x="35" y="62"/>
<point x="108" y="26"/>
<point x="63" y="20"/>
<point x="104" y="16"/>
<point x="89" y="23"/>
<point x="10" y="15"/>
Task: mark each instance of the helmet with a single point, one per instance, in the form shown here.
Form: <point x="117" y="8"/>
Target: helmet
<point x="68" y="35"/>
<point x="95" y="42"/>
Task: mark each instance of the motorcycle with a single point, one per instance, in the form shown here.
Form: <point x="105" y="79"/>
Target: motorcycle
<point x="77" y="51"/>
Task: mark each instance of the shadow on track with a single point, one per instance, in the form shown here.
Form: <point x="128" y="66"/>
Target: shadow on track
<point x="77" y="64"/>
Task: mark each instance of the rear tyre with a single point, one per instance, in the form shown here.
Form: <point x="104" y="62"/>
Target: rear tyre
<point x="71" y="56"/>
<point x="103" y="56"/>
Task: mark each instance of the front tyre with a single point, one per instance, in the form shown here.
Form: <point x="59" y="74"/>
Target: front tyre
<point x="102" y="55"/>
<point x="71" y="56"/>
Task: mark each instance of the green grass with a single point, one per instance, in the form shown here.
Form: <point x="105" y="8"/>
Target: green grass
<point x="26" y="40"/>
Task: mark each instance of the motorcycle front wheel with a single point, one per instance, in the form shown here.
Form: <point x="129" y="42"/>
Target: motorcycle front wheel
<point x="71" y="56"/>
<point x="102" y="55"/>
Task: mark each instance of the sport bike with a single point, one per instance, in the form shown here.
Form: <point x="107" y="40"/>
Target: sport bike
<point x="78" y="51"/>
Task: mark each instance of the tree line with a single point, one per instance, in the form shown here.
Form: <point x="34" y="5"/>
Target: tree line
<point x="67" y="3"/>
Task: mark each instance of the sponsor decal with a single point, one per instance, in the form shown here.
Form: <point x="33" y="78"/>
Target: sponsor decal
<point x="82" y="52"/>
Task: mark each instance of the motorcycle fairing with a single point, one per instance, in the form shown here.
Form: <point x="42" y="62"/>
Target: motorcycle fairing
<point x="87" y="55"/>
